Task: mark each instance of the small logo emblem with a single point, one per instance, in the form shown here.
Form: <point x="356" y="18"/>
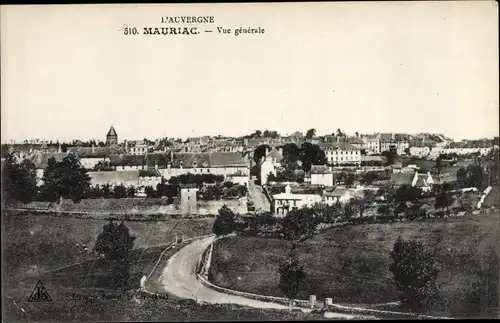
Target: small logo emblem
<point x="39" y="294"/>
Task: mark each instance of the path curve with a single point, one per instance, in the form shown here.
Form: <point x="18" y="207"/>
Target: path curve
<point x="179" y="278"/>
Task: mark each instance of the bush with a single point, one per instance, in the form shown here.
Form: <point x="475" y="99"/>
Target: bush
<point x="116" y="242"/>
<point x="225" y="222"/>
<point x="415" y="273"/>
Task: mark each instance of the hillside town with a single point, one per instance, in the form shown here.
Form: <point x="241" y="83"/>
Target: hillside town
<point x="271" y="172"/>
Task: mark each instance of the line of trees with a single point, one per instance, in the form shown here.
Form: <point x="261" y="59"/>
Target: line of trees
<point x="266" y="134"/>
<point x="483" y="172"/>
<point x="19" y="181"/>
<point x="64" y="179"/>
<point x="108" y="191"/>
<point x="413" y="266"/>
<point x="294" y="157"/>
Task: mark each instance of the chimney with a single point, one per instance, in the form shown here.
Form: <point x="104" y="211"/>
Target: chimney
<point x="393" y="136"/>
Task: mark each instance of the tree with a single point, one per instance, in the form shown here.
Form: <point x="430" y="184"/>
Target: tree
<point x="400" y="208"/>
<point x="476" y="177"/>
<point x="102" y="165"/>
<point x="339" y="133"/>
<point x="168" y="190"/>
<point x="311" y="155"/>
<point x="444" y="200"/>
<point x="439" y="167"/>
<point x="415" y="211"/>
<point x="368" y="178"/>
<point x="292" y="276"/>
<point x="415" y="272"/>
<point x="18" y="180"/>
<point x="384" y="210"/>
<point x="357" y="134"/>
<point x="390" y="155"/>
<point x="119" y="191"/>
<point x="131" y="191"/>
<point x="150" y="191"/>
<point x="492" y="167"/>
<point x="225" y="222"/>
<point x="115" y="242"/>
<point x="290" y="156"/>
<point x="65" y="179"/>
<point x="106" y="190"/>
<point x="271" y="178"/>
<point x="349" y="210"/>
<point x="462" y="178"/>
<point x="298" y="225"/>
<point x="407" y="193"/>
<point x="366" y="201"/>
<point x="350" y="179"/>
<point x="260" y="152"/>
<point x="482" y="297"/>
<point x="310" y="133"/>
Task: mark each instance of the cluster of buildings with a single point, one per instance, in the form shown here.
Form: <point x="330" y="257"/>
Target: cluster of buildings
<point x="132" y="164"/>
<point x="142" y="163"/>
<point x="322" y="177"/>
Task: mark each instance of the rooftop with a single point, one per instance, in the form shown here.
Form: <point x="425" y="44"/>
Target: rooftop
<point x="320" y="169"/>
<point x="274" y="153"/>
<point x="335" y="145"/>
<point x="402" y="178"/>
<point x="110" y="177"/>
<point x="111" y="132"/>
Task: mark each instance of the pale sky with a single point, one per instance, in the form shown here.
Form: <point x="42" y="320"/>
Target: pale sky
<point x="69" y="73"/>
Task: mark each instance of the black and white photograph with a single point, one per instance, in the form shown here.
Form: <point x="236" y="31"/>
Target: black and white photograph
<point x="250" y="161"/>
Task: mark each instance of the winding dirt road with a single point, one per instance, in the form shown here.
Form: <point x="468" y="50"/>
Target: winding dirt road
<point x="179" y="278"/>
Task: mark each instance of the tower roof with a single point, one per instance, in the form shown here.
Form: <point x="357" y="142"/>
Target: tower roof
<point x="112" y="132"/>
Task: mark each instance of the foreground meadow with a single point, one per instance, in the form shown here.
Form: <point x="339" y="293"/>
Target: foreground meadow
<point x="351" y="264"/>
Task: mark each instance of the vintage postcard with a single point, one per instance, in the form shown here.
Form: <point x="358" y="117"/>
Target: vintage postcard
<point x="238" y="161"/>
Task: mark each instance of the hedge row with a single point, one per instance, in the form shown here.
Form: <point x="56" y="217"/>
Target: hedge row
<point x="111" y="216"/>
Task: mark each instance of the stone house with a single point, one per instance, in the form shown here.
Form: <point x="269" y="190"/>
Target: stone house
<point x="321" y="175"/>
<point x="284" y="202"/>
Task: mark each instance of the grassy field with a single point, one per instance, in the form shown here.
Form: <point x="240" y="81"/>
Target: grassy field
<point x="43" y="248"/>
<point x="351" y="264"/>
